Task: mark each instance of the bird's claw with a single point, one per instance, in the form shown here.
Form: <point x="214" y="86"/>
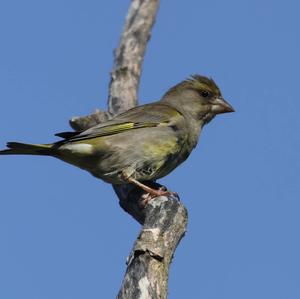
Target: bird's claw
<point x="162" y="191"/>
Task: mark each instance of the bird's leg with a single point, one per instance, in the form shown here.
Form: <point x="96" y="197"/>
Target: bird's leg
<point x="152" y="193"/>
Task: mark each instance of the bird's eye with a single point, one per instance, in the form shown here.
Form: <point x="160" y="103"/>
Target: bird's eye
<point x="204" y="93"/>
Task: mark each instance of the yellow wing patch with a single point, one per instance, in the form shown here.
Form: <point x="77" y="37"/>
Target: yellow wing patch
<point x="113" y="129"/>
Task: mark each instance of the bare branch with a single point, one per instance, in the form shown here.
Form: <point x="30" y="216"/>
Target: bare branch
<point x="129" y="55"/>
<point x="165" y="219"/>
<point x="148" y="264"/>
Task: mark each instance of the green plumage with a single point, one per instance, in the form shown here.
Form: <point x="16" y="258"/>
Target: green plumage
<point x="144" y="143"/>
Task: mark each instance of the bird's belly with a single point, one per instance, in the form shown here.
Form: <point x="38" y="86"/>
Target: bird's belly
<point x="163" y="160"/>
<point x="142" y="167"/>
<point x="146" y="157"/>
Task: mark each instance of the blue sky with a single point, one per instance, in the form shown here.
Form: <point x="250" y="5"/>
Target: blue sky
<point x="62" y="232"/>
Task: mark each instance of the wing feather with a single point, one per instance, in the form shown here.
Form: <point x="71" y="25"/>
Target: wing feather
<point x="146" y="116"/>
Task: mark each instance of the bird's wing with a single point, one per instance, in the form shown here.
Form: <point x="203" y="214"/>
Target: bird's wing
<point x="146" y="116"/>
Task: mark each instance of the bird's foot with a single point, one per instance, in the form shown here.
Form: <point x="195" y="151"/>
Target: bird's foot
<point x="152" y="194"/>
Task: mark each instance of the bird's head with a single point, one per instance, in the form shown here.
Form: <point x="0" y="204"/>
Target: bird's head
<point x="199" y="97"/>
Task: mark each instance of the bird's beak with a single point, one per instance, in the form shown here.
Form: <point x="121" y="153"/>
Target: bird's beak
<point x="219" y="105"/>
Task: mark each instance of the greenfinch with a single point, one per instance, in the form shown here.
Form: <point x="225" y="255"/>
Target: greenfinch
<point x="144" y="143"/>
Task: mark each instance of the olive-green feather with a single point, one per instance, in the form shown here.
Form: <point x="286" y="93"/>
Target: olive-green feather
<point x="147" y="116"/>
<point x="18" y="148"/>
<point x="196" y="82"/>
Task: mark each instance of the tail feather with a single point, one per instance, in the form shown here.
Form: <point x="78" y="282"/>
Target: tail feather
<point x="17" y="148"/>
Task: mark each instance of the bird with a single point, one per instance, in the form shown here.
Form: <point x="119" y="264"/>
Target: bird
<point x="142" y="144"/>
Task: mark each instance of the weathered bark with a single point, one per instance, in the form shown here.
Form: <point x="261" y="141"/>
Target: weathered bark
<point x="149" y="261"/>
<point x="164" y="219"/>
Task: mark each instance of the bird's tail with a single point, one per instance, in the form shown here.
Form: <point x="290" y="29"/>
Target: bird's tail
<point x="17" y="148"/>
